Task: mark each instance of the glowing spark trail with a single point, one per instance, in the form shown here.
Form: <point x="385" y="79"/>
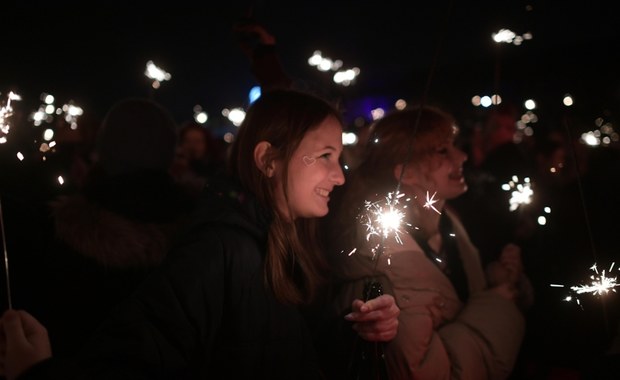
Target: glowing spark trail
<point x="601" y="284"/>
<point x="430" y="201"/>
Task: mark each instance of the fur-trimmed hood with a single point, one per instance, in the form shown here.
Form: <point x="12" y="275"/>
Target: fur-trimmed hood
<point x="107" y="237"/>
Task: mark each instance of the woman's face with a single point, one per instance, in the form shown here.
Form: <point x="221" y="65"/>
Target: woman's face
<point x="445" y="171"/>
<point x="313" y="171"/>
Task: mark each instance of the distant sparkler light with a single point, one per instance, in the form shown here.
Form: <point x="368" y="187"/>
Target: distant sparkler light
<point x="522" y="192"/>
<point x="6" y="111"/>
<point x="157" y="74"/>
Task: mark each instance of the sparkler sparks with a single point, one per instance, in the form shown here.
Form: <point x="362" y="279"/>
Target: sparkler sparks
<point x="600" y="285"/>
<point x="522" y="192"/>
<point x="430" y="201"/>
<point x="385" y="218"/>
<point x="6" y="112"/>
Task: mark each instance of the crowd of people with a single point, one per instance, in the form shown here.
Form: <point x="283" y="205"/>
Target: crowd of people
<point x="178" y="256"/>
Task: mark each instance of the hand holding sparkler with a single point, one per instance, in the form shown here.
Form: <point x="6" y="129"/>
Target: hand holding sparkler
<point x="375" y="320"/>
<point x="23" y="343"/>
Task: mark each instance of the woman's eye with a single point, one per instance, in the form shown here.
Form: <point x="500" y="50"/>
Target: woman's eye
<point x="442" y="150"/>
<point x="325" y="155"/>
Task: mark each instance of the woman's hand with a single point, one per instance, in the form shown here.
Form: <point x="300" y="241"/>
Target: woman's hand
<point x="23" y="343"/>
<point x="375" y="320"/>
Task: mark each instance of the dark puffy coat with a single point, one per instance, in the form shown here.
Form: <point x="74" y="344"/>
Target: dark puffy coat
<point x="205" y="312"/>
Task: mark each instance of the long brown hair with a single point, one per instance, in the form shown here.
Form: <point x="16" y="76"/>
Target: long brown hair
<point x="294" y="266"/>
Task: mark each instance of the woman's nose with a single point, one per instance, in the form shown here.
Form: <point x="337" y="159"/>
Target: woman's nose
<point x="337" y="175"/>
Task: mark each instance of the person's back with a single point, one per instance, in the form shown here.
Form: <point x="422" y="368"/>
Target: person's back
<point x="105" y="238"/>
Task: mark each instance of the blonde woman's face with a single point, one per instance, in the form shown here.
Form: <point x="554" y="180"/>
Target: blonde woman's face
<point x="314" y="171"/>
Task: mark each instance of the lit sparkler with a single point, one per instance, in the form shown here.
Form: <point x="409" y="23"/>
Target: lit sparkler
<point x="601" y="284"/>
<point x="157" y="74"/>
<point x="6" y="112"/>
<point x="385" y="218"/>
<point x="521" y="192"/>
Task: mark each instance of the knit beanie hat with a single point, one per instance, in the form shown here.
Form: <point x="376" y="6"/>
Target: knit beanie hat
<point x="136" y="134"/>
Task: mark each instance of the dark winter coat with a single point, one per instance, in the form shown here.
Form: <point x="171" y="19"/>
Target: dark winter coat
<point x="205" y="312"/>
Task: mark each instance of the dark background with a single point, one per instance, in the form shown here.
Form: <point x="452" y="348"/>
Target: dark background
<point x="95" y="54"/>
<point x="441" y="52"/>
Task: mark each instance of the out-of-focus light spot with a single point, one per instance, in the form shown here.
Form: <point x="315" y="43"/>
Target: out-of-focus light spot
<point x="377" y="113"/>
<point x="485" y="101"/>
<point x="508" y="36"/>
<point x="496" y="99"/>
<point x="530" y="104"/>
<point x="590" y="139"/>
<point x="61" y="180"/>
<point x="20" y="156"/>
<point x="349" y="138"/>
<point x="44" y="148"/>
<point x="201" y="117"/>
<point x="47" y="98"/>
<point x="156" y="73"/>
<point x="52" y="144"/>
<point x="3" y="140"/>
<point x="346" y="77"/>
<point x="346" y="167"/>
<point x="567" y="100"/>
<point x="48" y="134"/>
<point x="236" y="116"/>
<point x="475" y="100"/>
<point x="325" y="65"/>
<point x="49" y="109"/>
<point x="229" y="137"/>
<point x="315" y="59"/>
<point x="504" y="35"/>
<point x="528" y="131"/>
<point x="525" y="118"/>
<point x="552" y="169"/>
<point x="542" y="220"/>
<point x="400" y="104"/>
<point x="255" y="93"/>
<point x="547" y="209"/>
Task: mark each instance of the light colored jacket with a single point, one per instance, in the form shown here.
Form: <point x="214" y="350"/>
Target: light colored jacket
<point x="477" y="340"/>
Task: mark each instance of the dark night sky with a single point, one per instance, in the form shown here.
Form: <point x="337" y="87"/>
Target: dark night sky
<point x="96" y="54"/>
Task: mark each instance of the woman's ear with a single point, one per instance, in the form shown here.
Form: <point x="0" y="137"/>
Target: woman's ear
<point x="262" y="158"/>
